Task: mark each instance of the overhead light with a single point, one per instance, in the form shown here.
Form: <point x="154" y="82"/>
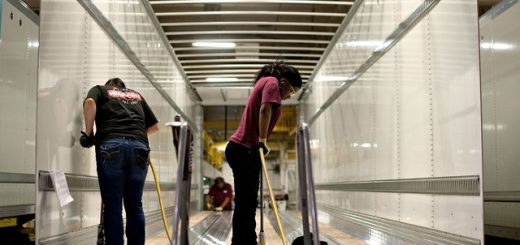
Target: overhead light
<point x="221" y="79"/>
<point x="214" y="44"/>
<point x="496" y="46"/>
<point x="33" y="44"/>
<point x="384" y="45"/>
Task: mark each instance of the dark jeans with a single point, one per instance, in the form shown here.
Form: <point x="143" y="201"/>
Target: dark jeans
<point x="246" y="172"/>
<point x="122" y="164"/>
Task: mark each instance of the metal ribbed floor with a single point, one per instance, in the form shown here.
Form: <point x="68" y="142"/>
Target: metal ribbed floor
<point x="293" y="227"/>
<point x="215" y="229"/>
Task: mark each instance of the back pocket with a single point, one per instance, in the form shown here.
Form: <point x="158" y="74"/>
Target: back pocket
<point x="110" y="154"/>
<point x="143" y="157"/>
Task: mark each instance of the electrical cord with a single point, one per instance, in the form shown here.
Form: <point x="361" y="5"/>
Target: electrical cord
<point x="158" y="188"/>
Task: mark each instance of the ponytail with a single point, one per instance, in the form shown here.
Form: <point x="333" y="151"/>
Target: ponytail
<point x="280" y="70"/>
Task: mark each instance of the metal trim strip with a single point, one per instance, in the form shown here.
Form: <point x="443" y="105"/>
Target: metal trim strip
<point x="223" y="84"/>
<point x="21" y="178"/>
<point x="249" y="13"/>
<point x="252" y="1"/>
<point x="212" y="54"/>
<point x="454" y="185"/>
<point x="243" y="84"/>
<point x="248" y="47"/>
<point x="17" y="210"/>
<point x="254" y="40"/>
<point x="249" y="72"/>
<point x="166" y="43"/>
<point x="501" y="196"/>
<point x="86" y="183"/>
<point x="363" y="226"/>
<point x="112" y="33"/>
<point x="253" y="32"/>
<point x="261" y="61"/>
<point x="248" y="76"/>
<point x="248" y="23"/>
<point x="153" y="226"/>
<point x="258" y="66"/>
<point x="22" y="7"/>
<point x="390" y="41"/>
<point x="198" y="82"/>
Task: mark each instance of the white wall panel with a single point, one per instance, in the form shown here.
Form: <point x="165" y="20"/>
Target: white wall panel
<point x="463" y="212"/>
<point x="373" y="22"/>
<point x="18" y="83"/>
<point x="500" y="49"/>
<point x="416" y="209"/>
<point x="414" y="114"/>
<point x="70" y="64"/>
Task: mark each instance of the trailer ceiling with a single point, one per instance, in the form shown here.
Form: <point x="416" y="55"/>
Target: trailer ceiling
<point x="297" y="31"/>
<point x="257" y="32"/>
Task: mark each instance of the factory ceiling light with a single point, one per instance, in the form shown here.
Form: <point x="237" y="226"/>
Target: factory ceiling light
<point x="214" y="44"/>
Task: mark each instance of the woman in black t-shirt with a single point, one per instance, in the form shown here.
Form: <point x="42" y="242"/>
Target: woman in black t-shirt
<point x="123" y="121"/>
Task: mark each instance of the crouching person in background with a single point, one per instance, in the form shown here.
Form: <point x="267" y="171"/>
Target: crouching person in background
<point x="220" y="196"/>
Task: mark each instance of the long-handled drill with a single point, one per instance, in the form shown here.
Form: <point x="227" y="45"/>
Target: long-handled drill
<point x="261" y="236"/>
<point x="101" y="227"/>
<point x="271" y="196"/>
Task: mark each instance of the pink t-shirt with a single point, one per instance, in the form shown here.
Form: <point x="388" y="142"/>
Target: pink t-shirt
<point x="266" y="90"/>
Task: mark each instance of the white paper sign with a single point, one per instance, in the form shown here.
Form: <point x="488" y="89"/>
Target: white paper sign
<point x="61" y="187"/>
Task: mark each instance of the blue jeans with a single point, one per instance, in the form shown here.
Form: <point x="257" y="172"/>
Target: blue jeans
<point x="122" y="164"/>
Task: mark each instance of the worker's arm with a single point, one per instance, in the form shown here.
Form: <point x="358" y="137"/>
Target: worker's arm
<point x="89" y="114"/>
<point x="264" y="119"/>
<point x="263" y="125"/>
<point x="225" y="203"/>
<point x="208" y="201"/>
<point x="152" y="129"/>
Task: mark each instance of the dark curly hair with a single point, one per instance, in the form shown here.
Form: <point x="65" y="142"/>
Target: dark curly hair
<point x="115" y="82"/>
<point x="280" y="70"/>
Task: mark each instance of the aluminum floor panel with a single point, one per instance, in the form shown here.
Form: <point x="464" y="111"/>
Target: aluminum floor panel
<point x="293" y="228"/>
<point x="214" y="229"/>
<point x="209" y="228"/>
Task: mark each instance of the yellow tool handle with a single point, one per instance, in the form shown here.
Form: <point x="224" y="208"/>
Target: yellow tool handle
<point x="271" y="196"/>
<point x="157" y="186"/>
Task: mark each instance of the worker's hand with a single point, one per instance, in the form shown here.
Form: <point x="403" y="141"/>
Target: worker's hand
<point x="262" y="143"/>
<point x="209" y="206"/>
<point x="218" y="209"/>
<point x="86" y="141"/>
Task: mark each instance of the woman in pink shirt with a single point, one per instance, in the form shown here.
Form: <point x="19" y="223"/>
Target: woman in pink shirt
<point x="274" y="83"/>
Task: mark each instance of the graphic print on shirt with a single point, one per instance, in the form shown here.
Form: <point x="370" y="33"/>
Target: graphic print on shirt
<point x="126" y="96"/>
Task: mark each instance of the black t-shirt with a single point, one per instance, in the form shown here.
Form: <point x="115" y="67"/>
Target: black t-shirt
<point x="121" y="112"/>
